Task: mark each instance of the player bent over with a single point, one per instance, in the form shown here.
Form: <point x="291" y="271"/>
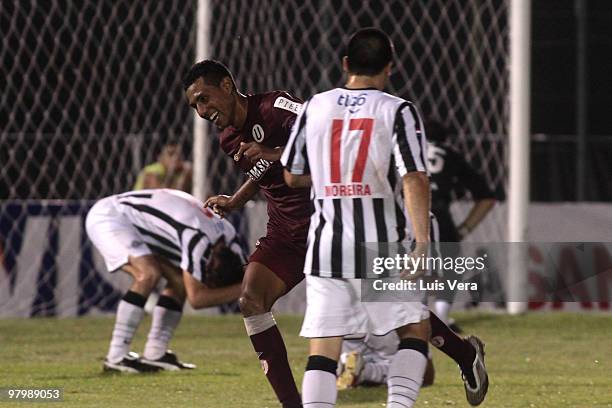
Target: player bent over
<point x="254" y="128"/>
<point x="162" y="233"/>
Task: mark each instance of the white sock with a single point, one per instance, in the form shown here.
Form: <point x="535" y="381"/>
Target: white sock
<point x="163" y="325"/>
<point x="128" y="318"/>
<point x="405" y="378"/>
<point x="374" y="373"/>
<point x="319" y="389"/>
<point x="442" y="308"/>
<point x="259" y="323"/>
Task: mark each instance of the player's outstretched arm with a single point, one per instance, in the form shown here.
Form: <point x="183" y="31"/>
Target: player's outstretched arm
<point x="222" y="204"/>
<point x="200" y="296"/>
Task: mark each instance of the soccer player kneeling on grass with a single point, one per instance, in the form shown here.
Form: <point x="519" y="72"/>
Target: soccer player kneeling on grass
<point x="152" y="234"/>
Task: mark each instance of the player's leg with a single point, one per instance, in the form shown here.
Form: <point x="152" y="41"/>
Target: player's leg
<point x="333" y="310"/>
<point x="319" y="383"/>
<point x="261" y="287"/>
<point x="166" y="317"/>
<point x="442" y="307"/>
<point x="130" y="311"/>
<point x="407" y="367"/>
<point x="374" y="372"/>
<point x="355" y="356"/>
<point x="380" y="352"/>
<point x="450" y="343"/>
<point x="366" y="360"/>
<point x="468" y="353"/>
<point x="444" y="300"/>
<point x="122" y="247"/>
<point x="443" y="230"/>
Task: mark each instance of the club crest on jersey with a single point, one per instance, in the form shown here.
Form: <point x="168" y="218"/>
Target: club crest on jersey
<point x="258" y="133"/>
<point x="437" y="341"/>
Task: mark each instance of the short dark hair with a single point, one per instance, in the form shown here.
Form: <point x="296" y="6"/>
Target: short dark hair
<point x="230" y="269"/>
<point x="369" y="51"/>
<point x="211" y="71"/>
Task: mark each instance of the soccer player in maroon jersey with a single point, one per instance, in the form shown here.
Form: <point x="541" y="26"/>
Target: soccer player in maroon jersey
<point x="254" y="129"/>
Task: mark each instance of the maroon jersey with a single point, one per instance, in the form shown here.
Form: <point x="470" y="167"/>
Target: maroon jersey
<point x="269" y="119"/>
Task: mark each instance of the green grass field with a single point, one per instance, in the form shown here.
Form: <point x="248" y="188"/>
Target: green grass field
<point x="534" y="361"/>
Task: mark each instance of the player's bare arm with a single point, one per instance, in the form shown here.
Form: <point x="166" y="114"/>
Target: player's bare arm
<point x="255" y="151"/>
<point x="297" y="181"/>
<point x="173" y="276"/>
<point x="200" y="295"/>
<point x="417" y="200"/>
<point x="478" y="212"/>
<point x="223" y="204"/>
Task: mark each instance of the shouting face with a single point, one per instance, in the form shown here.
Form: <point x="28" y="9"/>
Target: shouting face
<point x="216" y="103"/>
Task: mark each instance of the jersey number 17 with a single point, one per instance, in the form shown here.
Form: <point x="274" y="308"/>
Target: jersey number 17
<point x="365" y="125"/>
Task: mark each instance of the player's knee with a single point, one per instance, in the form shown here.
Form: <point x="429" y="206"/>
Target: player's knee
<point x="421" y="330"/>
<point x="251" y="305"/>
<point x="148" y="277"/>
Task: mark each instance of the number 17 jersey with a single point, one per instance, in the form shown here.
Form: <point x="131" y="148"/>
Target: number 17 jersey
<point x="354" y="143"/>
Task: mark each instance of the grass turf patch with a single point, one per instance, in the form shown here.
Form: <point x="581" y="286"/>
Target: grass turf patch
<point x="538" y="360"/>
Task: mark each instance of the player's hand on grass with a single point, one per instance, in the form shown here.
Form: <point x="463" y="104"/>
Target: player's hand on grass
<point x="255" y="151"/>
<point x="220" y="204"/>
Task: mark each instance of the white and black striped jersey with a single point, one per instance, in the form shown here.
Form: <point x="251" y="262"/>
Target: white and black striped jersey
<point x="354" y="143"/>
<point x="176" y="225"/>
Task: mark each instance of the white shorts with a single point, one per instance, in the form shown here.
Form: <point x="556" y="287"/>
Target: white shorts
<point x="334" y="308"/>
<point x="113" y="235"/>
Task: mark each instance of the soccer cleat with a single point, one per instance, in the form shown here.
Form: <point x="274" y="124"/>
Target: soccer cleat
<point x="352" y="369"/>
<point x="476" y="379"/>
<point x="130" y="363"/>
<point x="169" y="362"/>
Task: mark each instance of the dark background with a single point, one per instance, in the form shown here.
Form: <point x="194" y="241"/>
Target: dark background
<point x="554" y="102"/>
<point x="41" y="155"/>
